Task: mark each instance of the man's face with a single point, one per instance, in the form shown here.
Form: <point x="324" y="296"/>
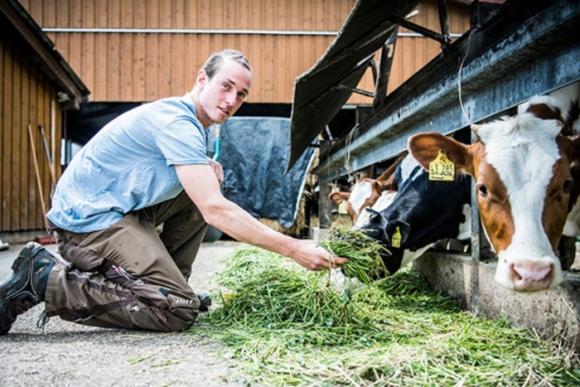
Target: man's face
<point x="221" y="96"/>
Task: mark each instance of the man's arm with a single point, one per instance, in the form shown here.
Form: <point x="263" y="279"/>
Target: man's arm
<point x="201" y="184"/>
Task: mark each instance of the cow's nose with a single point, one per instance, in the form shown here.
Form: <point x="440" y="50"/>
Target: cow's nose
<point x="531" y="275"/>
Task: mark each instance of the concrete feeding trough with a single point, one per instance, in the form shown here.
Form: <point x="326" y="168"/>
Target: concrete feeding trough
<point x="554" y="314"/>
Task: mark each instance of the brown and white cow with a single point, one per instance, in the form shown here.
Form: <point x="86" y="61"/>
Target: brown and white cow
<point x="522" y="167"/>
<point x="365" y="193"/>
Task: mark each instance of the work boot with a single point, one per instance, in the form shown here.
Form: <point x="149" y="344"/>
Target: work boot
<point x="27" y="285"/>
<point x="204" y="301"/>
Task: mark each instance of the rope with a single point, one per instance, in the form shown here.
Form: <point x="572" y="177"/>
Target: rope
<point x="347" y="164"/>
<point x="459" y="79"/>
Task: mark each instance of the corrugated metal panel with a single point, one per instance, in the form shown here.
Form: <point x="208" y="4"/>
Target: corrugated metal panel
<point x="26" y="98"/>
<point x="138" y="67"/>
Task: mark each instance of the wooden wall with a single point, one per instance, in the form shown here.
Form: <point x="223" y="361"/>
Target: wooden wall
<point x="141" y="67"/>
<point x="26" y="98"/>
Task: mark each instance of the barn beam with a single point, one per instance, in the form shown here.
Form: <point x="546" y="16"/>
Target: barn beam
<point x="521" y="52"/>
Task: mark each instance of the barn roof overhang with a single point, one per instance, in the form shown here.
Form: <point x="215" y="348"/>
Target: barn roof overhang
<point x="49" y="59"/>
<point x="529" y="47"/>
<point x="321" y="92"/>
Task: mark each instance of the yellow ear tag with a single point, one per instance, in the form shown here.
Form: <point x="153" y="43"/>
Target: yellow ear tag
<point x="396" y="239"/>
<point x="441" y="169"/>
<point x="343" y="208"/>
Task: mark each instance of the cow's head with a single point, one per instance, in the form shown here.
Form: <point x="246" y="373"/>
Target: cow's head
<point x="521" y="166"/>
<point x="364" y="194"/>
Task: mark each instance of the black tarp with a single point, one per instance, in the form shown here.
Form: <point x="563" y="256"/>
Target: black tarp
<point x="254" y="153"/>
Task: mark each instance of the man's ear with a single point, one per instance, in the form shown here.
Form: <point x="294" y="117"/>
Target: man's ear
<point x="201" y="78"/>
<point x="338" y="197"/>
<point x="425" y="147"/>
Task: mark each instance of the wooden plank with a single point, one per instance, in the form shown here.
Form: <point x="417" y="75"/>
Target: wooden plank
<point x="204" y="9"/>
<point x="126" y="67"/>
<point x="27" y="162"/>
<point x="139" y="52"/>
<point x="113" y="62"/>
<point x="164" y="52"/>
<point x="164" y="11"/>
<point x="74" y="57"/>
<point x="127" y="14"/>
<point x="15" y="149"/>
<point x="139" y="14"/>
<point x="62" y="20"/>
<point x="75" y="13"/>
<point x="178" y="86"/>
<point x="23" y="156"/>
<point x="101" y="71"/>
<point x="49" y="12"/>
<point x="8" y="134"/>
<point x="87" y="73"/>
<point x="126" y="53"/>
<point x="151" y="54"/>
<point x="5" y="131"/>
<point x="164" y="67"/>
<point x="42" y="94"/>
<point x="178" y="14"/>
<point x="190" y="47"/>
<point x="57" y="140"/>
<point x="138" y="81"/>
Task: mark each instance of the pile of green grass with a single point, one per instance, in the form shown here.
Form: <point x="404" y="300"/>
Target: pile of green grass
<point x="364" y="254"/>
<point x="289" y="326"/>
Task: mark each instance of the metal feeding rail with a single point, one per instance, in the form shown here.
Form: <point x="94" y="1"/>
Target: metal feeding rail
<point x="526" y="48"/>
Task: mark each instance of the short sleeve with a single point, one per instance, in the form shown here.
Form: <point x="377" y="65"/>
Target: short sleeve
<point x="182" y="142"/>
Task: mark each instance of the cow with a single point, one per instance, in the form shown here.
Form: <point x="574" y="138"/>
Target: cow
<point x="524" y="168"/>
<point x="366" y="192"/>
<point x="425" y="212"/>
<point x="421" y="213"/>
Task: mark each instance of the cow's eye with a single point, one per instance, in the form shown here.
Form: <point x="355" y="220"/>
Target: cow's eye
<point x="567" y="186"/>
<point x="482" y="189"/>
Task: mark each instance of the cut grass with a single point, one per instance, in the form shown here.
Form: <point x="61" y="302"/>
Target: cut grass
<point x="289" y="327"/>
<point x="364" y="254"/>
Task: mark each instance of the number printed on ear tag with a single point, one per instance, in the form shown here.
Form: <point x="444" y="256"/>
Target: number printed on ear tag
<point x="441" y="169"/>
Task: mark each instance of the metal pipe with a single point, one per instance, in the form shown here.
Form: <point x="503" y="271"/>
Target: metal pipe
<point x="208" y="31"/>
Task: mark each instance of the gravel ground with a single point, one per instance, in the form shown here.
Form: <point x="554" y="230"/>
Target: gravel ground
<point x="71" y="354"/>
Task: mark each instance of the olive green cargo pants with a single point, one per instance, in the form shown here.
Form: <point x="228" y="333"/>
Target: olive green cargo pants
<point x="129" y="275"/>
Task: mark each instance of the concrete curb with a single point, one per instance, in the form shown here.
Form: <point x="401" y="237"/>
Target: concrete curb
<point x="554" y="314"/>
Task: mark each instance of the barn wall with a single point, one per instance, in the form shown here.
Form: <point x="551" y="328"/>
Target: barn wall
<point x="26" y="98"/>
<point x="146" y="66"/>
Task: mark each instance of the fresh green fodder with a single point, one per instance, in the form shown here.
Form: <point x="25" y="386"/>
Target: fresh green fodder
<point x="364" y="254"/>
<point x="287" y="326"/>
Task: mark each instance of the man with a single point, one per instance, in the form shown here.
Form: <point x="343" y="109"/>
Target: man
<point x="146" y="167"/>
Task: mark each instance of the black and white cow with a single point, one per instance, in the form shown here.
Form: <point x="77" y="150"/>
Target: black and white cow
<point x="421" y="213"/>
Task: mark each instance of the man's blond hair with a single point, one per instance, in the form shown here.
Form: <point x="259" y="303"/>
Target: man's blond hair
<point x="216" y="60"/>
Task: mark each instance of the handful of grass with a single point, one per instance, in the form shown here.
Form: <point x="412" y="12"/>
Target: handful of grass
<point x="265" y="291"/>
<point x="364" y="254"/>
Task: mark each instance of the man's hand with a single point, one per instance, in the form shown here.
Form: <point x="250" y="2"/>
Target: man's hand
<point x="218" y="170"/>
<point x="313" y="257"/>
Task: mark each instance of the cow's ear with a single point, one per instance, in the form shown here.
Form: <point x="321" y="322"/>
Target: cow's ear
<point x="338" y="197"/>
<point x="425" y="147"/>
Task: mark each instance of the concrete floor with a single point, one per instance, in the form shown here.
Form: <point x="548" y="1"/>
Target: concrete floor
<point x="71" y="354"/>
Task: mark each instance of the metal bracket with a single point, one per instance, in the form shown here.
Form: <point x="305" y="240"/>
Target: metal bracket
<point x="443" y="37"/>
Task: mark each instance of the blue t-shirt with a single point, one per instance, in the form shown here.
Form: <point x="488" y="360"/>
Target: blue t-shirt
<point x="129" y="165"/>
